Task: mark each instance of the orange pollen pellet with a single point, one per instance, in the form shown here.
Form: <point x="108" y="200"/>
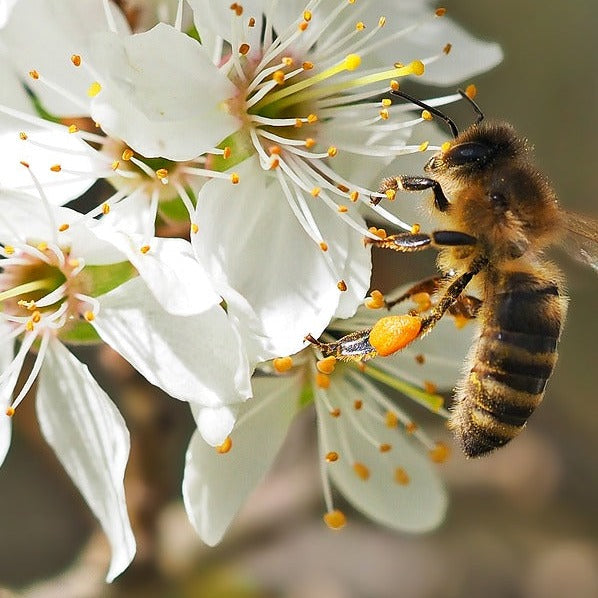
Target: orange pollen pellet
<point x="471" y="91"/>
<point x="440" y="12"/>
<point x="315" y="192"/>
<point x="342" y="209"/>
<point x="144" y="248"/>
<point x="360" y="26"/>
<point x="23" y="136"/>
<point x="394" y="85"/>
<point x="73" y="128"/>
<point x="310" y="142"/>
<point x="194" y="228"/>
<point x="243" y="49"/>
<point x="56" y="168"/>
<point x="161" y="173"/>
<point x="391" y="194"/>
<point x="415" y="228"/>
<point x="430" y="387"/>
<point x="322" y="380"/>
<point x="401" y="476"/>
<point x="336" y="412"/>
<point x="460" y="321"/>
<point x="427" y="115"/>
<point x="384" y="114"/>
<point x="324" y="246"/>
<point x="76" y="59"/>
<point x="227" y="152"/>
<point x="275" y="163"/>
<point x="326" y="365"/>
<point x="423" y="146"/>
<point x="10" y="411"/>
<point x="385" y="447"/>
<point x="127" y="154"/>
<point x="307" y="15"/>
<point x="234" y="178"/>
<point x="440" y="453"/>
<point x="63" y="227"/>
<point x="361" y="471"/>
<point x="335" y="519"/>
<point x="420" y="359"/>
<point x="357" y="404"/>
<point x="251" y="22"/>
<point x="341" y="285"/>
<point x="332" y="151"/>
<point x="278" y="76"/>
<point x="89" y="316"/>
<point x="106" y="209"/>
<point x="225" y="446"/>
<point x="354" y="196"/>
<point x="307" y="66"/>
<point x="312" y="118"/>
<point x="410" y="427"/>
<point x="447" y="49"/>
<point x="331" y="457"/>
<point x="34" y="74"/>
<point x="391" y="419"/>
<point x="303" y="25"/>
<point x="282" y="364"/>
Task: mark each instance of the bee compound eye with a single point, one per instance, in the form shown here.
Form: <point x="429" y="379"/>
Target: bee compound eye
<point x="467" y="153"/>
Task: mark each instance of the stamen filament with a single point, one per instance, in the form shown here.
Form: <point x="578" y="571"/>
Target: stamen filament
<point x="28" y="287"/>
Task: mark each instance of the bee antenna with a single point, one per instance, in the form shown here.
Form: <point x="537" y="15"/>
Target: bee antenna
<point x="434" y="111"/>
<point x="476" y="108"/>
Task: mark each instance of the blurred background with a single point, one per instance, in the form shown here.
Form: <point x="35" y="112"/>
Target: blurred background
<point x="522" y="522"/>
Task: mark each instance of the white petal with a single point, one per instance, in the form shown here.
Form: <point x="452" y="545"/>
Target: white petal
<point x="418" y="506"/>
<point x="55" y="30"/>
<point x="6" y="7"/>
<point x="193" y="358"/>
<point x="162" y="103"/>
<point x="250" y="228"/>
<point x="216" y="485"/>
<point x="12" y="95"/>
<point x="170" y="270"/>
<point x="215" y="423"/>
<point x="6" y="390"/>
<point x="91" y="441"/>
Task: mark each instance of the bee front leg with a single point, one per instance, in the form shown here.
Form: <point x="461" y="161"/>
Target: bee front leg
<point x="410" y="242"/>
<point x="413" y="183"/>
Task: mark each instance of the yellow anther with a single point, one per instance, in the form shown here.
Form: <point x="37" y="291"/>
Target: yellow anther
<point x="244" y="49"/>
<point x="314" y="193"/>
<point x="445" y="147"/>
<point x="115" y="165"/>
<point x="274" y="149"/>
<point x="471" y="91"/>
<point x="376" y="300"/>
<point x="420" y="359"/>
<point x="34" y="75"/>
<point x="234" y="178"/>
<point x="73" y="128"/>
<point x="76" y="59"/>
<point x="322" y="380"/>
<point x="105" y="208"/>
<point x="415" y="228"/>
<point x="29" y="326"/>
<point x="357" y="404"/>
<point x="10" y="411"/>
<point x="312" y="118"/>
<point x="161" y="173"/>
<point x="282" y="364"/>
<point x="430" y="387"/>
<point x="379" y="232"/>
<point x="354" y="196"/>
<point x="144" y="249"/>
<point x="341" y="285"/>
<point x="89" y="316"/>
<point x="423" y="146"/>
<point x="361" y="470"/>
<point x="278" y="76"/>
<point x="385" y="447"/>
<point x="359" y="26"/>
<point x="23" y="136"/>
<point x="447" y="49"/>
<point x="307" y="15"/>
<point x="391" y="194"/>
<point x="94" y="89"/>
<point x="42" y="246"/>
<point x="63" y="227"/>
<point x="401" y="476"/>
<point x="427" y="115"/>
<point x="352" y="61"/>
<point x="391" y="419"/>
<point x="394" y="85"/>
<point x="74" y="262"/>
<point x="303" y="25"/>
<point x="307" y="66"/>
<point x="381" y="21"/>
<point x="440" y="453"/>
<point x="9" y="249"/>
<point x="251" y="22"/>
<point x="310" y="142"/>
<point x="422" y="300"/>
<point x="236" y="8"/>
<point x="332" y="151"/>
<point x="417" y="67"/>
<point x="298" y="123"/>
<point x="225" y="446"/>
<point x="384" y="114"/>
<point x="440" y="12"/>
<point x="335" y="519"/>
<point x="36" y="317"/>
<point x="194" y="228"/>
<point x="226" y="152"/>
<point x="410" y="427"/>
<point x="331" y="457"/>
<point x="336" y="412"/>
<point x="342" y="209"/>
<point x="399" y="65"/>
<point x="56" y="168"/>
<point x="275" y="163"/>
<point x="23" y="163"/>
<point x="287" y="60"/>
<point x="324" y="246"/>
<point x="127" y="154"/>
<point x="326" y="365"/>
<point x="386" y="102"/>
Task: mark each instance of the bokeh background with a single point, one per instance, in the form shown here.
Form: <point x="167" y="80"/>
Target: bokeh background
<point x="522" y="522"/>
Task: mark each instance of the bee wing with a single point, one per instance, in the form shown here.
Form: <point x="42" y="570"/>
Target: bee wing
<point x="581" y="238"/>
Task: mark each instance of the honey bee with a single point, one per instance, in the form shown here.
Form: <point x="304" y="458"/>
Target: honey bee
<point x="498" y="214"/>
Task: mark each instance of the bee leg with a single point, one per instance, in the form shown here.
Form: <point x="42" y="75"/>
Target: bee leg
<point x="413" y="183"/>
<point x="428" y="285"/>
<point x="352" y="347"/>
<point x="410" y="242"/>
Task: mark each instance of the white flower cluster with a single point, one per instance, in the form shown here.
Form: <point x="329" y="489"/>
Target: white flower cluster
<point x="257" y="129"/>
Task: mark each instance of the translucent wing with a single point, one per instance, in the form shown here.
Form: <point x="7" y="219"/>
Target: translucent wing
<point x="581" y="239"/>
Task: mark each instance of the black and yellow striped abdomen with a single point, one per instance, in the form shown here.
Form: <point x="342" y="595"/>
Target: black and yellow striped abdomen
<point x="512" y="361"/>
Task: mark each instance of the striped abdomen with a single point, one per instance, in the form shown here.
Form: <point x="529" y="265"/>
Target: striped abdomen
<point x="511" y="363"/>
